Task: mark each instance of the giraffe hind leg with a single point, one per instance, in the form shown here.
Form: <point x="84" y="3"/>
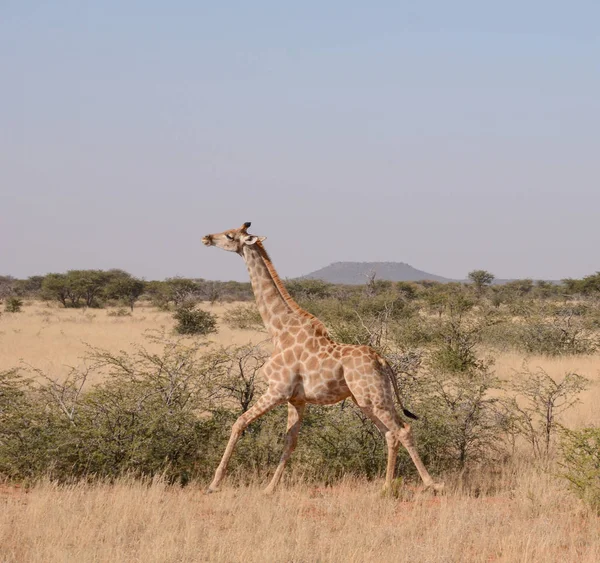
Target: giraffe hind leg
<point x="397" y="433"/>
<point x="392" y="444"/>
<point x="401" y="433"/>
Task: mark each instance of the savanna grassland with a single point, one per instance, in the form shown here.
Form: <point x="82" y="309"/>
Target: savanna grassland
<point x="123" y="421"/>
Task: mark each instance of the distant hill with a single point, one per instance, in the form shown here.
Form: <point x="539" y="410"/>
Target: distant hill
<point x="356" y="273"/>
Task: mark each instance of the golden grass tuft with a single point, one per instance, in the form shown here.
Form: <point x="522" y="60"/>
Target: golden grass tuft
<point x="536" y="520"/>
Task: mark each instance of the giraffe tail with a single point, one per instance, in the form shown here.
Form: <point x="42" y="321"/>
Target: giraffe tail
<point x="392" y="377"/>
<point x="409" y="414"/>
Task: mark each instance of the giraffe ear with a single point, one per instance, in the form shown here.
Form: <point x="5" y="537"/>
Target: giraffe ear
<point x="252" y="239"/>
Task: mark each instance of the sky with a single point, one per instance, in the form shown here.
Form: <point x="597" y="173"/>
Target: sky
<point x="448" y="135"/>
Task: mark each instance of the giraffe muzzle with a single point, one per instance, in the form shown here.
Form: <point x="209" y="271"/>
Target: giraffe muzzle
<point x="207" y="240"/>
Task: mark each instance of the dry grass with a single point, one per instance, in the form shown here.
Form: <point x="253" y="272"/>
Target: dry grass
<point x="586" y="413"/>
<point x="50" y="337"/>
<point x="531" y="517"/>
<point x="534" y="520"/>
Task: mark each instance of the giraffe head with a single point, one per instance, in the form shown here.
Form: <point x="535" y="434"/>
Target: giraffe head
<point x="232" y="240"/>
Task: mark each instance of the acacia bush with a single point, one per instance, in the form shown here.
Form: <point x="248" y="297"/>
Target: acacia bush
<point x="171" y="413"/>
<point x="581" y="463"/>
<point x="243" y="317"/>
<point x="194" y="321"/>
<point x="537" y="402"/>
<point x="454" y="392"/>
<point x="460" y="421"/>
<point x="549" y="329"/>
<point x="151" y="414"/>
<point x="562" y="334"/>
<point x="13" y="305"/>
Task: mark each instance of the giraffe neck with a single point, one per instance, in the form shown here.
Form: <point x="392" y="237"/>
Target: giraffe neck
<point x="272" y="300"/>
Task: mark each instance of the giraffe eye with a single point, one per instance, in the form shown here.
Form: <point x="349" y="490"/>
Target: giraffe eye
<point x="229" y="236"/>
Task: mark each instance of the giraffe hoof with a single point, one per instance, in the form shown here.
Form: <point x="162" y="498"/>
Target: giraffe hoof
<point x="210" y="491"/>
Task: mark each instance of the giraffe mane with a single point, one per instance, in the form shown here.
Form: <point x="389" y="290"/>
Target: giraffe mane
<point x="317" y="324"/>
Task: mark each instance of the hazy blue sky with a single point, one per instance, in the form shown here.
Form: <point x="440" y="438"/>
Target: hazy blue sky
<point x="449" y="135"/>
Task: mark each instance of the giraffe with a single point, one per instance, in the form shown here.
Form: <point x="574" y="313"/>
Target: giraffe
<point x="308" y="367"/>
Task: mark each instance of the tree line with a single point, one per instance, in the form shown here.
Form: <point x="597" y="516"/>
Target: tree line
<point x="96" y="288"/>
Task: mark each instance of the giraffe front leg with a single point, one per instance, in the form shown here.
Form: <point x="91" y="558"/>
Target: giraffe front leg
<point x="262" y="406"/>
<point x="295" y="415"/>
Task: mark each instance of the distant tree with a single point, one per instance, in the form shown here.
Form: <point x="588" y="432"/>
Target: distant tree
<point x="518" y="288"/>
<point x="211" y="291"/>
<point x="572" y="286"/>
<point x="408" y="290"/>
<point x="308" y="289"/>
<point x="179" y="290"/>
<point x="157" y="293"/>
<point x="436" y="298"/>
<point x="545" y="289"/>
<point x="378" y="287"/>
<point x="498" y="296"/>
<point x="88" y="284"/>
<point x="56" y="287"/>
<point x="481" y="279"/>
<point x="428" y="284"/>
<point x="124" y="286"/>
<point x="31" y="286"/>
<point x="449" y="298"/>
<point x="6" y="286"/>
<point x="590" y="285"/>
<point x="75" y="286"/>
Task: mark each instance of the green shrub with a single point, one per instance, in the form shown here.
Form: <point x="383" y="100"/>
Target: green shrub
<point x="581" y="463"/>
<point x="150" y="415"/>
<point x="551" y="330"/>
<point x="481" y="280"/>
<point x="559" y="335"/>
<point x="194" y="321"/>
<point x="456" y="336"/>
<point x="29" y="432"/>
<point x="459" y="422"/>
<point x="538" y="403"/>
<point x="412" y="333"/>
<point x="243" y="317"/>
<point x="302" y="289"/>
<point x="13" y="305"/>
<point x="170" y="412"/>
<point x="124" y="287"/>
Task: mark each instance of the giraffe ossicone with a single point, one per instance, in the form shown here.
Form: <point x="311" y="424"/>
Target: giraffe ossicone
<point x="308" y="367"/>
